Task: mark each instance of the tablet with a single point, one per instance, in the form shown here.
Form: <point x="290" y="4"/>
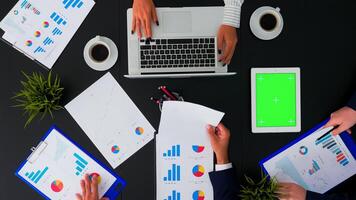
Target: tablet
<point x="275" y="100"/>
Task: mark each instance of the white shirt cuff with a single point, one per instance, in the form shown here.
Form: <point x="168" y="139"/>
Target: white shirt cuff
<point x="232" y="12"/>
<point x="223" y="167"/>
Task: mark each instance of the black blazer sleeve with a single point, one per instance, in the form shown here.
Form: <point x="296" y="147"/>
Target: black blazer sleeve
<point x="225" y="184"/>
<point x="352" y="102"/>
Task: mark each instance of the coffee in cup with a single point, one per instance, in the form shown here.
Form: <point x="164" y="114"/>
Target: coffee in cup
<point x="99" y="52"/>
<point x="268" y="21"/>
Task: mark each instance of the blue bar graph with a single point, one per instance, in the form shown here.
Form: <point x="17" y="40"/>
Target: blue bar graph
<point x="173" y="174"/>
<point x="328" y="142"/>
<point x="35" y="177"/>
<point x="56" y="31"/>
<point x="72" y="4"/>
<point x="39" y="49"/>
<point x="173" y="152"/>
<point x="25" y="4"/>
<point x="174" y="196"/>
<point x="81" y="164"/>
<point x="58" y="19"/>
<point x="48" y="41"/>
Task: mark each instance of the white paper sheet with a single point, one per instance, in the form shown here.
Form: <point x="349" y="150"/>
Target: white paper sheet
<point x="60" y="167"/>
<point x="43" y="29"/>
<point x="182" y="146"/>
<point x="314" y="165"/>
<point x="111" y="120"/>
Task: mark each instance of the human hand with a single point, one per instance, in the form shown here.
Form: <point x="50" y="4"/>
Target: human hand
<point x="291" y="191"/>
<point x="89" y="189"/>
<point x="227" y="40"/>
<point x="219" y="139"/>
<point x="144" y="13"/>
<point x="344" y="118"/>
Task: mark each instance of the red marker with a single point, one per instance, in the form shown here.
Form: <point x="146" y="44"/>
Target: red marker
<point x="157" y="101"/>
<point x="167" y="92"/>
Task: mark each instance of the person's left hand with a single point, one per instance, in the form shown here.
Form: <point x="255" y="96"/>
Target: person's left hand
<point x="227" y="40"/>
<point x="291" y="191"/>
<point x="89" y="189"/>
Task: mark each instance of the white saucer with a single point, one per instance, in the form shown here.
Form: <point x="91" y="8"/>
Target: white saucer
<point x="108" y="63"/>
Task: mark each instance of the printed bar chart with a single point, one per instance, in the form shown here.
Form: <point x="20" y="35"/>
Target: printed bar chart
<point x="48" y="41"/>
<point x="35" y="177"/>
<point x="81" y="164"/>
<point x="173" y="173"/>
<point x="328" y="142"/>
<point x="58" y="19"/>
<point x="39" y="50"/>
<point x="173" y="152"/>
<point x="174" y="196"/>
<point x="315" y="168"/>
<point x="25" y="4"/>
<point x="72" y="3"/>
<point x="56" y="31"/>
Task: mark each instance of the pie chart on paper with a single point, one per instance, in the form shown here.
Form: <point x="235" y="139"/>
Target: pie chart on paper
<point x="57" y="186"/>
<point x="198" y="170"/>
<point x="198" y="195"/>
<point x="198" y="148"/>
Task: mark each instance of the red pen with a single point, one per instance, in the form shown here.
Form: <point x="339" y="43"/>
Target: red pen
<point x="157" y="101"/>
<point x="167" y="92"/>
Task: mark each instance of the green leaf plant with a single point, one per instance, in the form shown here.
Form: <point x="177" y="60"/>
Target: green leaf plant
<point x="39" y="95"/>
<point x="265" y="189"/>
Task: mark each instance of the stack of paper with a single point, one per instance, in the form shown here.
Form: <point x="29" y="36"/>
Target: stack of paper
<point x="42" y="29"/>
<point x="111" y="120"/>
<point x="184" y="154"/>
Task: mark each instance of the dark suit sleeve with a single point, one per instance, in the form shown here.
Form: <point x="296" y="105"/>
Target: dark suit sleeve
<point x="332" y="196"/>
<point x="352" y="102"/>
<point x="225" y="184"/>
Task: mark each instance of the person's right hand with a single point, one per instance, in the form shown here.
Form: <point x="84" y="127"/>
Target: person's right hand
<point x="344" y="118"/>
<point x="144" y="13"/>
<point x="219" y="138"/>
<point x="89" y="189"/>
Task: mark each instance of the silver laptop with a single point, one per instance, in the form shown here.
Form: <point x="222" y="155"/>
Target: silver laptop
<point x="183" y="45"/>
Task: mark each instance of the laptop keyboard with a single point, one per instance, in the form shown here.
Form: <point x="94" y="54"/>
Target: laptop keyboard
<point x="177" y="53"/>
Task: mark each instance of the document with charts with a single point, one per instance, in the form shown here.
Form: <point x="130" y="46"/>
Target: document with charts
<point x="42" y="29"/>
<point x="184" y="156"/>
<point x="111" y="120"/>
<point x="57" y="165"/>
<point x="318" y="161"/>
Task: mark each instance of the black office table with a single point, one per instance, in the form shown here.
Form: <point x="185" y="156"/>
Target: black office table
<point x="319" y="37"/>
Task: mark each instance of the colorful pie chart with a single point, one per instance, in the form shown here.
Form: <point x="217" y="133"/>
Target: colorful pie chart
<point x="139" y="131"/>
<point x="198" y="170"/>
<point x="57" y="186"/>
<point x="303" y="150"/>
<point x="198" y="195"/>
<point x="45" y="24"/>
<point x="97" y="175"/>
<point x="28" y="43"/>
<point x="37" y="34"/>
<point x="115" y="149"/>
<point x="198" y="148"/>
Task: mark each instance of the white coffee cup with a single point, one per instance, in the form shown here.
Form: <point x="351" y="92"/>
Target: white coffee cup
<point x="272" y="30"/>
<point x="100" y="53"/>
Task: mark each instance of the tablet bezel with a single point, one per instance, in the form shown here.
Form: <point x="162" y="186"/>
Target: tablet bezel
<point x="284" y="129"/>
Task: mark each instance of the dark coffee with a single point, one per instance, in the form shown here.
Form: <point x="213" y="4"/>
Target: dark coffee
<point x="268" y="22"/>
<point x="99" y="52"/>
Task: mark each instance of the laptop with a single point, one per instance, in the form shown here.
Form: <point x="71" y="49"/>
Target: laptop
<point x="183" y="45"/>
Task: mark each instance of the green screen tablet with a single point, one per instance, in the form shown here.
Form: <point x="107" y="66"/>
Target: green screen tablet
<point x="276" y="99"/>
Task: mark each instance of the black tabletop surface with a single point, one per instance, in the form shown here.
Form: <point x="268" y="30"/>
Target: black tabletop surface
<point x="319" y="37"/>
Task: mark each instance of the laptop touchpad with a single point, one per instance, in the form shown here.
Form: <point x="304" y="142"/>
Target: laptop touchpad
<point x="177" y="22"/>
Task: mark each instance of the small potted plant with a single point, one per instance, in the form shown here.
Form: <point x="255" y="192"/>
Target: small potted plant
<point x="265" y="189"/>
<point x="40" y="95"/>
